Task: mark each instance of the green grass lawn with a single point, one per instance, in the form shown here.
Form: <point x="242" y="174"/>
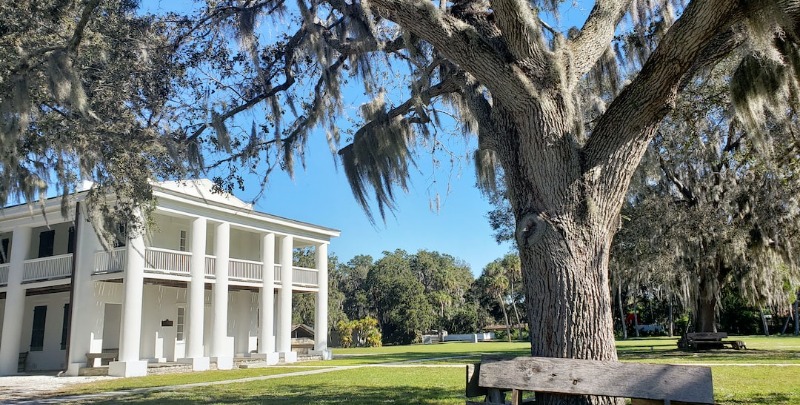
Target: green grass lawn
<point x="767" y="373"/>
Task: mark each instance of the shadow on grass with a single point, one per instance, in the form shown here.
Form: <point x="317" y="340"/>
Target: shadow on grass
<point x="721" y="355"/>
<point x="299" y="394"/>
<point x="772" y="399"/>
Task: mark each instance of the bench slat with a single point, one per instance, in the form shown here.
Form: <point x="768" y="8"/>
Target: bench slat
<point x="707" y="335"/>
<point x="589" y="377"/>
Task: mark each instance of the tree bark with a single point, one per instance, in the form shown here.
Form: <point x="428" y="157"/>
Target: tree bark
<point x="706" y="308"/>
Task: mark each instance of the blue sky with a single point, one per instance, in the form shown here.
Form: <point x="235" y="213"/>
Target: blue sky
<point x="320" y="193"/>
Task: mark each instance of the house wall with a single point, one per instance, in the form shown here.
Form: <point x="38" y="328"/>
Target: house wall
<point x="160" y="303"/>
<point x="245" y="245"/>
<point x="243" y="321"/>
<point x="52" y="357"/>
<point x="166" y="233"/>
<point x="60" y="241"/>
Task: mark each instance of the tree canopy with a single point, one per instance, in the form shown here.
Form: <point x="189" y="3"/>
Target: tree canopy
<point x="566" y="115"/>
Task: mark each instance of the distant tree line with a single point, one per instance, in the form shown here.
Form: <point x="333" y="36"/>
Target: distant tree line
<point x="411" y="294"/>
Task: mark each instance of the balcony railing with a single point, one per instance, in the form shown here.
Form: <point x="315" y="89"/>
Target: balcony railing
<point x="211" y="266"/>
<point x="244" y="269"/>
<point x="4" y="273"/>
<point x="167" y="261"/>
<point x="304" y="276"/>
<point x="109" y="262"/>
<point x="177" y="263"/>
<point x="47" y="268"/>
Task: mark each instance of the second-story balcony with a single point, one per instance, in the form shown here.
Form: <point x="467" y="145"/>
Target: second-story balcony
<point x="41" y="269"/>
<point x="47" y="268"/>
<point x="173" y="262"/>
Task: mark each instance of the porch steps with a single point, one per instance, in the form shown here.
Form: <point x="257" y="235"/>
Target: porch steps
<point x="263" y="364"/>
<point x="93" y="371"/>
<point x="169" y="368"/>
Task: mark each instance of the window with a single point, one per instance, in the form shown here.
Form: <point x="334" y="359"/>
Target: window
<point x="46" y="239"/>
<point x="4" y="251"/>
<point x="71" y="241"/>
<point x="121" y="236"/>
<point x="182" y="244"/>
<point x="65" y="328"/>
<point x="180" y="324"/>
<point x="37" y="333"/>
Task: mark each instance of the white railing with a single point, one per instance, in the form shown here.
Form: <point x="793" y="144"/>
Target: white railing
<point x="168" y="261"/>
<point x="244" y="269"/>
<point x="4" y="273"/>
<point x="48" y="267"/>
<point x="302" y="275"/>
<point x="277" y="273"/>
<point x="109" y="262"/>
<point x="211" y="266"/>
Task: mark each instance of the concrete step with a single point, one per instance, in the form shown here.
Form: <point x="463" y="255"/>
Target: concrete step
<point x="93" y="371"/>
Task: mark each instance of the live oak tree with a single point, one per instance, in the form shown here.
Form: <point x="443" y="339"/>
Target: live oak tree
<point x="567" y="151"/>
<point x="714" y="206"/>
<point x="83" y="87"/>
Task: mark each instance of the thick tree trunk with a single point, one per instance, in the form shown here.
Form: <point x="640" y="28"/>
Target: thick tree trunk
<point x="563" y="234"/>
<point x="569" y="304"/>
<point x="706" y="309"/>
<point x="706" y="315"/>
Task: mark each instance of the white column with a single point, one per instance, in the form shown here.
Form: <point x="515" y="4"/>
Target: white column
<point x="266" y="336"/>
<point x="87" y="316"/>
<point x="285" y="301"/>
<point x="15" y="302"/>
<point x="221" y="347"/>
<point x="321" y="312"/>
<point x="196" y="298"/>
<point x="129" y="364"/>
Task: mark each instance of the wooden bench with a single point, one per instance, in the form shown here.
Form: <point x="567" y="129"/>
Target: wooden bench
<point x="709" y="340"/>
<point x="493" y="377"/>
<point x="106" y="355"/>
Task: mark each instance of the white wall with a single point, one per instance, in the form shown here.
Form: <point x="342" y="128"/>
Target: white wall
<point x="166" y="233"/>
<point x="245" y="245"/>
<point x="161" y="303"/>
<point x="51" y="357"/>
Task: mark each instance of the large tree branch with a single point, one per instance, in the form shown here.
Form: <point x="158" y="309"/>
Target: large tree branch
<point x="685" y="191"/>
<point x="596" y="34"/>
<point x="462" y="44"/>
<point x="77" y="36"/>
<point x="520" y="29"/>
<point x="623" y="132"/>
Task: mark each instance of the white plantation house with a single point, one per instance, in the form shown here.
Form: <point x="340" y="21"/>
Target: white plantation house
<point x="210" y="279"/>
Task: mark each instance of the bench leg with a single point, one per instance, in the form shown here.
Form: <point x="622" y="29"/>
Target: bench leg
<point x="516" y="397"/>
<point x="495" y="396"/>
